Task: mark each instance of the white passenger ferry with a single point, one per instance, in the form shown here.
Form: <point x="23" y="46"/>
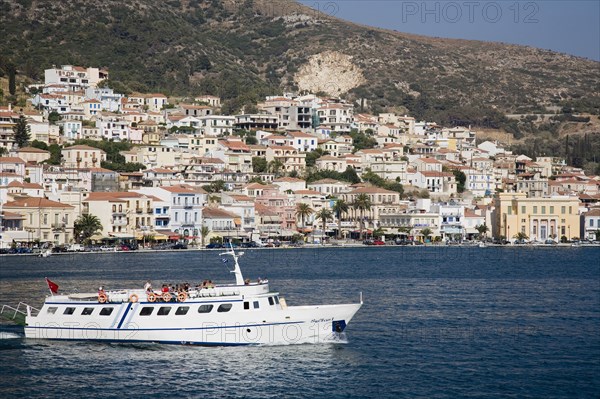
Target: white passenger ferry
<point x="237" y="314"/>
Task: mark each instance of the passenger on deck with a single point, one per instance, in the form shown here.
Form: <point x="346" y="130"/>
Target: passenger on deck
<point x="165" y="288"/>
<point x="101" y="291"/>
<point x="148" y="286"/>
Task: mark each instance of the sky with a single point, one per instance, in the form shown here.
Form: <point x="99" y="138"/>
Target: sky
<point x="571" y="27"/>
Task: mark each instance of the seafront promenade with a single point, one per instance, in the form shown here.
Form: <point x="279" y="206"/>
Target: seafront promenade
<point x="336" y="245"/>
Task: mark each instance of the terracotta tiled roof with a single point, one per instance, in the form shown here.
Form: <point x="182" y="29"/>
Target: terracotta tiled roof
<point x="36" y="202"/>
<point x="11" y="160"/>
<point x="213" y="213"/>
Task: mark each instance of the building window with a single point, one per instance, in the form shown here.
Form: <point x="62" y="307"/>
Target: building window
<point x="551" y="210"/>
<point x="562" y="210"/>
<point x="591" y="222"/>
<point x="570" y="210"/>
<point x="510" y="210"/>
<point x="106" y="311"/>
<point x="87" y="311"/>
<point x="535" y="210"/>
<point x="205" y="308"/>
<point x="543" y="210"/>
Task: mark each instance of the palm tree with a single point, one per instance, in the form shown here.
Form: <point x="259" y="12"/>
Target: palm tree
<point x="340" y="207"/>
<point x="303" y="210"/>
<point x="324" y="214"/>
<point x="520" y="236"/>
<point x="86" y="226"/>
<point x="362" y="202"/>
<point x="204" y="232"/>
<point x="404" y="230"/>
<point x="482" y="229"/>
<point x="426" y="232"/>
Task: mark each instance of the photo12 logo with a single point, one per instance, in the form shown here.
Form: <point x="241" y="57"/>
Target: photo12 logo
<point x="470" y="11"/>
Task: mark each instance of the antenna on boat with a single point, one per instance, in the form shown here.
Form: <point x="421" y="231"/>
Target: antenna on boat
<point x="239" y="278"/>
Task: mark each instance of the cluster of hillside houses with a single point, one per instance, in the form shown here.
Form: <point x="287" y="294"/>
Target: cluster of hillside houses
<point x="189" y="144"/>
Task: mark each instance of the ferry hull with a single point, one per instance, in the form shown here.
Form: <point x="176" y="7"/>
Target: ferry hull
<point x="291" y="325"/>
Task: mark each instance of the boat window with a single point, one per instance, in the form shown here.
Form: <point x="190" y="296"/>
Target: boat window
<point x="106" y="311"/>
<point x="164" y="310"/>
<point x="246" y="305"/>
<point x="271" y="302"/>
<point x="226" y="307"/>
<point x="182" y="310"/>
<point x="52" y="310"/>
<point x="147" y="311"/>
<point x="277" y="300"/>
<point x="205" y="308"/>
<point x="87" y="311"/>
<point x="256" y="305"/>
<point x="69" y="311"/>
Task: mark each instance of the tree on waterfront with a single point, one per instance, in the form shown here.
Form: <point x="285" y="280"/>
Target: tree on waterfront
<point x="22" y="132"/>
<point x="521" y="236"/>
<point x="339" y="207"/>
<point x="324" y="214"/>
<point x="303" y="211"/>
<point x="404" y="230"/>
<point x="362" y="203"/>
<point x="482" y="229"/>
<point x="204" y="232"/>
<point x="426" y="232"/>
<point x="86" y="226"/>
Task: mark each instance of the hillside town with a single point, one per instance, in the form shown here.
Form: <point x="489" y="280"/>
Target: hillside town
<point x="295" y="169"/>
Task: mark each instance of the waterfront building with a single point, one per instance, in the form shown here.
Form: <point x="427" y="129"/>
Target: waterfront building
<point x="537" y="218"/>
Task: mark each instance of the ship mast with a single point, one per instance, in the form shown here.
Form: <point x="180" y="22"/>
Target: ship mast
<point x="239" y="278"/>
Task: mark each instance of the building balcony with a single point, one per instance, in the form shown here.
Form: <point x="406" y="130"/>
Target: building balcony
<point x="58" y="226"/>
<point x="188" y="206"/>
<point x="119" y="223"/>
<point x="139" y="210"/>
<point x="149" y="211"/>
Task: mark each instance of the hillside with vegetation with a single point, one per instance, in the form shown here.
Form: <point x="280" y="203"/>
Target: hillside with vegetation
<point x="244" y="50"/>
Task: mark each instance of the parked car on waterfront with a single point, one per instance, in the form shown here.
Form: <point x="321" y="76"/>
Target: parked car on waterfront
<point x="378" y="242"/>
<point x="213" y="245"/>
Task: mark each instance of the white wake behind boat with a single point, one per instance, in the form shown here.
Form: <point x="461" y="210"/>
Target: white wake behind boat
<point x="234" y="314"/>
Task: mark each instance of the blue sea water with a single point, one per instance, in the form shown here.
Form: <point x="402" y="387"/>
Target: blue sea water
<point x="442" y="322"/>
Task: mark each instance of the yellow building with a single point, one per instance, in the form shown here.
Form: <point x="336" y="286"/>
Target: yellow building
<point x="537" y="218"/>
<point x="83" y="156"/>
<point x="44" y="220"/>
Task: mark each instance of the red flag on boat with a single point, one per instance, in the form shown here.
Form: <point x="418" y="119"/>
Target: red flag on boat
<point x="53" y="286"/>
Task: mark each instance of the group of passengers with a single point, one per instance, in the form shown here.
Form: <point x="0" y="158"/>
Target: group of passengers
<point x="178" y="288"/>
